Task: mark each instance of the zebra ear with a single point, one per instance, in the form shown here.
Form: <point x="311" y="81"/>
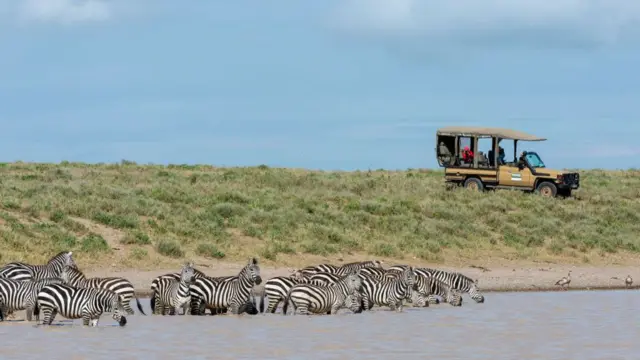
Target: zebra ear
<point x="253" y="261"/>
<point x="70" y="253"/>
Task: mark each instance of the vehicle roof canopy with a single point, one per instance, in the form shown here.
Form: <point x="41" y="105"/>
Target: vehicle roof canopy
<point x="488" y="131"/>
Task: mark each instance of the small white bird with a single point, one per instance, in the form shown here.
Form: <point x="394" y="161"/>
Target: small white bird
<point x="564" y="282"/>
<point x="628" y="281"/>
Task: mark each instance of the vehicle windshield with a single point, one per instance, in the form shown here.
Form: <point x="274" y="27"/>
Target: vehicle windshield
<point x="534" y="160"/>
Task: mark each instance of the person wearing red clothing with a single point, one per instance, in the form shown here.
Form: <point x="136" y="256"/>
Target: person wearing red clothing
<point x="467" y="155"/>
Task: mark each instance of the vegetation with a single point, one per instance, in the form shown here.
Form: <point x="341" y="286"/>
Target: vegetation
<point x="107" y="212"/>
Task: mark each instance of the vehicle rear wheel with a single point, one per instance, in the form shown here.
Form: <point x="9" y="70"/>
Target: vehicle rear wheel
<point x="474" y="184"/>
<point x="547" y="189"/>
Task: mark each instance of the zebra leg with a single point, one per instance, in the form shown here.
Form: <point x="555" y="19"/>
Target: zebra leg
<point x="234" y="307"/>
<point x="48" y="314"/>
<point x="29" y="313"/>
<point x="126" y="304"/>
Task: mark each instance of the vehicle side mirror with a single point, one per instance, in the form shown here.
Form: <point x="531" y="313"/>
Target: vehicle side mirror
<point x="520" y="166"/>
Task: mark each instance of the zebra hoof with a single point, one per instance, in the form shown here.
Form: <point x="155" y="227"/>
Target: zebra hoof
<point x="123" y="321"/>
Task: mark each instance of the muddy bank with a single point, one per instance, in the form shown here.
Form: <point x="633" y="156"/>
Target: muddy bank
<point x="500" y="279"/>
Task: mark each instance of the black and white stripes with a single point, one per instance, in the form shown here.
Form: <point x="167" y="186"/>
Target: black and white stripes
<point x="122" y="287"/>
<point x="318" y="299"/>
<point x="76" y="303"/>
<point x="21" y="295"/>
<point x="231" y="293"/>
<point x="172" y="294"/>
<point x="24" y="271"/>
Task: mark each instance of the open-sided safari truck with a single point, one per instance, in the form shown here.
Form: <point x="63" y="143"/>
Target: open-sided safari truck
<point x="467" y="166"/>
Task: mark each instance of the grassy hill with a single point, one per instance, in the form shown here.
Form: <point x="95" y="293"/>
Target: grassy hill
<point x="139" y="216"/>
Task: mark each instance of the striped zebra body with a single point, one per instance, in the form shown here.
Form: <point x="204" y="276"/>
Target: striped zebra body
<point x="176" y="276"/>
<point x="389" y="292"/>
<point x="341" y="270"/>
<point x="21" y="295"/>
<point x="422" y="286"/>
<point x="276" y="290"/>
<point x="318" y="299"/>
<point x="174" y="294"/>
<point x="233" y="293"/>
<point x="442" y="289"/>
<point x="76" y="303"/>
<point x="122" y="287"/>
<point x="456" y="281"/>
<point x="52" y="269"/>
<point x="374" y="272"/>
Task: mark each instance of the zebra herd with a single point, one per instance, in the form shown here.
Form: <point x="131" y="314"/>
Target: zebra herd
<point x="59" y="287"/>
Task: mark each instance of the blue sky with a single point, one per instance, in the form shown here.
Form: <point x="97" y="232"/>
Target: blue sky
<point x="333" y="84"/>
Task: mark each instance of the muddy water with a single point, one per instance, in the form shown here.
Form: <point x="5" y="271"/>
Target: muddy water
<point x="567" y="325"/>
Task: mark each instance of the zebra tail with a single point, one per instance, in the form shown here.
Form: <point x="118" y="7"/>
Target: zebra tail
<point x="140" y="306"/>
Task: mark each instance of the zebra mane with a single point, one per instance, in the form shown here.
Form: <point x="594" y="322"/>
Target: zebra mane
<point x="60" y="256"/>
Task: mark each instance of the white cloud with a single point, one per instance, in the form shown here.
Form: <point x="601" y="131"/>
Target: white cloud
<point x="599" y="21"/>
<point x="65" y="11"/>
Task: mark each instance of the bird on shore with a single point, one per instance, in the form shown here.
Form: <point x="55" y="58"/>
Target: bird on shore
<point x="628" y="281"/>
<point x="564" y="282"/>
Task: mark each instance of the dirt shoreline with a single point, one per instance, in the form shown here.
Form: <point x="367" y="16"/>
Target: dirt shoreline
<point x="515" y="278"/>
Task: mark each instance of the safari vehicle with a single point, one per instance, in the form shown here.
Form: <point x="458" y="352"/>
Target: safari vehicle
<point x="471" y="168"/>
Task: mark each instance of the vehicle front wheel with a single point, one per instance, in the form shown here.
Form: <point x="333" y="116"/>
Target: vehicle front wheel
<point x="474" y="184"/>
<point x="547" y="189"/>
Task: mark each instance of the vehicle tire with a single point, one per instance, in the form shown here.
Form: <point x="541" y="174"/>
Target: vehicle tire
<point x="547" y="189"/>
<point x="474" y="184"/>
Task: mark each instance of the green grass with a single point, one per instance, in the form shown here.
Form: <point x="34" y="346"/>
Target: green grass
<point x="179" y="211"/>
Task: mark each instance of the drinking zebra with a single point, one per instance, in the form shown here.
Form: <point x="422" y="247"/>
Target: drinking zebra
<point x="276" y="289"/>
<point x="122" y="287"/>
<point x="455" y="280"/>
<point x="319" y="299"/>
<point x="174" y="294"/>
<point x="21" y="295"/>
<point x="389" y="292"/>
<point x="439" y="288"/>
<point x="76" y="303"/>
<point x="341" y="270"/>
<point x="422" y="287"/>
<point x="52" y="269"/>
<point x="232" y="293"/>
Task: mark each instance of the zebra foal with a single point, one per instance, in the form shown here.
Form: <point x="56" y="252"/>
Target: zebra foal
<point x="276" y="289"/>
<point x="76" y="303"/>
<point x="172" y="294"/>
<point x="122" y="287"/>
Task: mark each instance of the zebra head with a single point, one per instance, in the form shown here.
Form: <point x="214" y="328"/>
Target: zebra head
<point x="409" y="279"/>
<point x="377" y="264"/>
<point x="252" y="271"/>
<point x="118" y="309"/>
<point x="474" y="291"/>
<point x="353" y="302"/>
<point x="421" y="301"/>
<point x="62" y="259"/>
<point x="354" y="281"/>
<point x="187" y="274"/>
<point x="67" y="274"/>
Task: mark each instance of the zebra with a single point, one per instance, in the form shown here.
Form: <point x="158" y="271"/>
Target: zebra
<point x="230" y="293"/>
<point x="389" y="292"/>
<point x="176" y="276"/>
<point x="76" y="303"/>
<point x="22" y="271"/>
<point x="453" y="279"/>
<point x="174" y="294"/>
<point x="276" y="290"/>
<point x="329" y="299"/>
<point x="374" y="271"/>
<point x="422" y="287"/>
<point x="341" y="270"/>
<point x="74" y="277"/>
<point x="442" y="289"/>
<point x="21" y="295"/>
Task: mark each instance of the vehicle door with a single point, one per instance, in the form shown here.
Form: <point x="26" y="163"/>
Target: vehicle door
<point x="513" y="176"/>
